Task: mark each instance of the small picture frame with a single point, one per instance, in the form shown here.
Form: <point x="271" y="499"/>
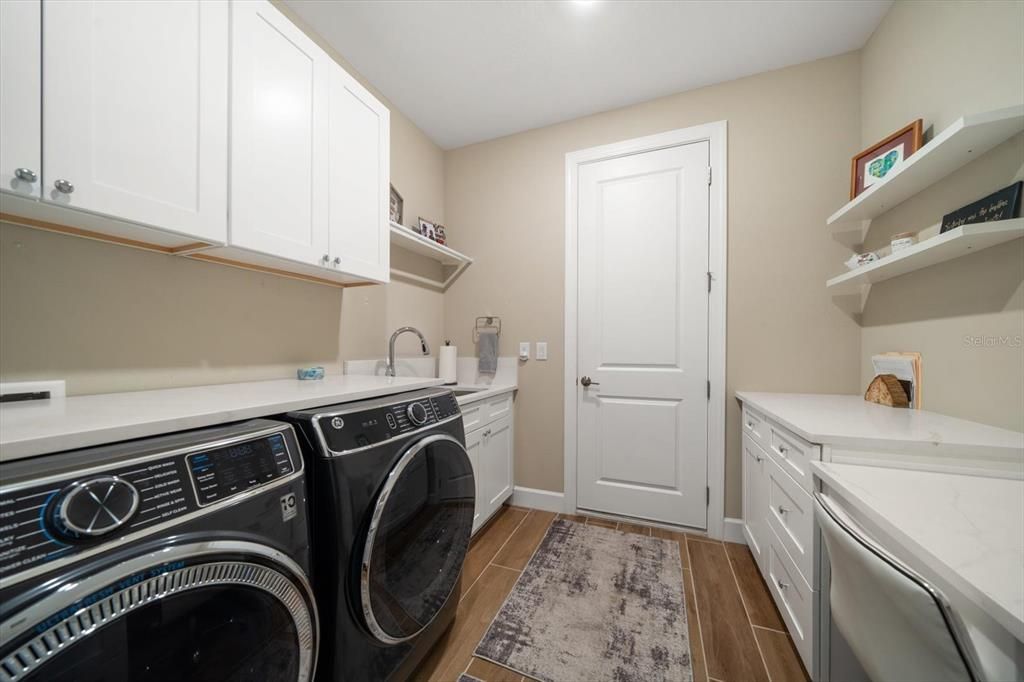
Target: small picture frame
<point x="876" y="162"/>
<point x="396" y="206"/>
<point x="439" y="234"/>
<point x="426" y="228"/>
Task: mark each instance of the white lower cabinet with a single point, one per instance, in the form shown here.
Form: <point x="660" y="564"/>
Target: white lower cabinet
<point x="778" y="521"/>
<point x="490" y="446"/>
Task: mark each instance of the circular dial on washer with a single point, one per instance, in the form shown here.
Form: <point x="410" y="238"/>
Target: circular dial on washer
<point x="97" y="506"/>
<point x="417" y="413"/>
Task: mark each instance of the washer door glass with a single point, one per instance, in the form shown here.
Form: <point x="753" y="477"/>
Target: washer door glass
<point x="418" y="537"/>
<point x="214" y="620"/>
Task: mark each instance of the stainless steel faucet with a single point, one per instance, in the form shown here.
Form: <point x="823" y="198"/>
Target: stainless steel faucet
<point x="390" y="371"/>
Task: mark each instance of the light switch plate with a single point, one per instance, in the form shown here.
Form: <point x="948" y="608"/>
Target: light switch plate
<point x="542" y="350"/>
<point x="524" y="350"/>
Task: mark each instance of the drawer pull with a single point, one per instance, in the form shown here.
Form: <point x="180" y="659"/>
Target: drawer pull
<point x="783" y="449"/>
<point x="750" y="425"/>
<point x="782" y="585"/>
<point x="759" y="459"/>
<point x="783" y="510"/>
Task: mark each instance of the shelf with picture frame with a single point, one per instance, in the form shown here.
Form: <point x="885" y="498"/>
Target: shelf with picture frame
<point x="965" y="140"/>
<point x="452" y="261"/>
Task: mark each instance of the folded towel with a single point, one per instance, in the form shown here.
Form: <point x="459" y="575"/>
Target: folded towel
<point x="487" y="350"/>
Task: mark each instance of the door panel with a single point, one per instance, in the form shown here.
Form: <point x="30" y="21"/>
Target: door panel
<point x="20" y="95"/>
<point x="496" y="457"/>
<point x="136" y="111"/>
<point x="279" y="136"/>
<point x="643" y="324"/>
<point x="359" y="179"/>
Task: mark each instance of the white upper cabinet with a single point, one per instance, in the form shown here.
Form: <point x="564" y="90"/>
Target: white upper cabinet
<point x="20" y="92"/>
<point x="135" y="111"/>
<point x="359" y="234"/>
<point x="279" y="137"/>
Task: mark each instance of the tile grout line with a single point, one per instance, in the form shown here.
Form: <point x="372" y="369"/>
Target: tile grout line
<point x="496" y="553"/>
<point x="750" y="623"/>
<point x="696" y="610"/>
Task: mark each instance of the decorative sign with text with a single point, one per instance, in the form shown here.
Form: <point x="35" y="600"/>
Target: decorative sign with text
<point x="1001" y="205"/>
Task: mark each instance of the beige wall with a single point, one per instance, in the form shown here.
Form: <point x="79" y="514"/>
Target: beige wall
<point x="110" y="318"/>
<point x="919" y="64"/>
<point x="790" y="132"/>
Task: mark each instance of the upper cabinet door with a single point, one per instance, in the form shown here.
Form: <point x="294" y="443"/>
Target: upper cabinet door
<point x="279" y="138"/>
<point x="135" y="122"/>
<point x="360" y="133"/>
<point x="20" y="93"/>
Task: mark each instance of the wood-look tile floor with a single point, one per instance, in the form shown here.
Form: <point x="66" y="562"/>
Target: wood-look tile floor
<point x="736" y="633"/>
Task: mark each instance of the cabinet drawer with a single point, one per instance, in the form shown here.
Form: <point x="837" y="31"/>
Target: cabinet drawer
<point x="790" y="513"/>
<point x="498" y="406"/>
<point x="793" y="455"/>
<point x="755" y="426"/>
<point x="473" y="416"/>
<point x="794" y="599"/>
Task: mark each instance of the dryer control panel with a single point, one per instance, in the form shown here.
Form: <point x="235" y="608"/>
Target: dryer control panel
<point x="61" y="516"/>
<point x="347" y="431"/>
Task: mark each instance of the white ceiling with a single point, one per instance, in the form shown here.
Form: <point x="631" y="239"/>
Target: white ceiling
<point x="466" y="72"/>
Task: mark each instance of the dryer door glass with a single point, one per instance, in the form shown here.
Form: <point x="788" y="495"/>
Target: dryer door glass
<point x="418" y="537"/>
<point x="225" y="620"/>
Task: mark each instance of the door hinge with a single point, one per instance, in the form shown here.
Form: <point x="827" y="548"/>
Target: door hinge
<point x="709" y="175"/>
<point x="707" y="496"/>
<point x="709" y="282"/>
<point x="709" y="389"/>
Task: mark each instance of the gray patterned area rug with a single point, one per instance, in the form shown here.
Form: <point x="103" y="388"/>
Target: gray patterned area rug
<point x="595" y="604"/>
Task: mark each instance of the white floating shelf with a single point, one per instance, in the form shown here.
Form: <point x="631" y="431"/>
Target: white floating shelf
<point x="957" y="242"/>
<point x="405" y="238"/>
<point x="962" y="142"/>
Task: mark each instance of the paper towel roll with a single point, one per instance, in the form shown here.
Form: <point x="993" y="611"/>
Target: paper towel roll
<point x="446" y="364"/>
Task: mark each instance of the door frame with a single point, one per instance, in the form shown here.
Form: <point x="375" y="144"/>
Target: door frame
<point x="716" y="135"/>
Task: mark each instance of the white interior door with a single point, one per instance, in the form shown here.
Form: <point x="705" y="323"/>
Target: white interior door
<point x="643" y="335"/>
<point x="135" y="120"/>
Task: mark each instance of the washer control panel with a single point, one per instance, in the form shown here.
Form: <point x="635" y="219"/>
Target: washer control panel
<point x="355" y="430"/>
<point x="63" y="515"/>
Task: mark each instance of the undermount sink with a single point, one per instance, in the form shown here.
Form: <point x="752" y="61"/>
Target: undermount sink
<point x="466" y="391"/>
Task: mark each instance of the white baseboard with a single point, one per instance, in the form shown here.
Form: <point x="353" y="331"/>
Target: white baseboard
<point x="545" y="500"/>
<point x="734" y="531"/>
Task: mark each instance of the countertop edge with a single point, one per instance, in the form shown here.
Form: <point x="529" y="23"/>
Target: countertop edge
<point x="484" y="394"/>
<point x="43" y="445"/>
<point x="999" y="613"/>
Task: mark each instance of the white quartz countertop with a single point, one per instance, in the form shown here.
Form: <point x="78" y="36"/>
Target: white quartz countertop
<point x="480" y="392"/>
<point x="967" y="530"/>
<point x="849" y="420"/>
<point x="39" y="427"/>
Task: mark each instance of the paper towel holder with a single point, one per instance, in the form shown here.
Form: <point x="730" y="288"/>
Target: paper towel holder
<point x="486" y="322"/>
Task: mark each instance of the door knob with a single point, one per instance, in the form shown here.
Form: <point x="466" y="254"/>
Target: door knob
<point x="586" y="381"/>
<point x="63" y="186"/>
<point x="26" y="174"/>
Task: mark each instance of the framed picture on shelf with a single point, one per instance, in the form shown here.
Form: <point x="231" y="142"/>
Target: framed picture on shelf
<point x="396" y="206"/>
<point x="426" y="228"/>
<point x="439" y="235"/>
<point x="876" y="162"/>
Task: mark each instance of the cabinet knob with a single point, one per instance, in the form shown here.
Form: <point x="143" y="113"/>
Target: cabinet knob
<point x="325" y="258"/>
<point x="782" y="449"/>
<point x="759" y="459"/>
<point x="63" y="186"/>
<point x="26" y="174"/>
<point x="337" y="260"/>
<point x="781" y="584"/>
<point x="783" y="510"/>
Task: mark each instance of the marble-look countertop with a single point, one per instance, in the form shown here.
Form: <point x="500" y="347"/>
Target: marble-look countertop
<point x="39" y="427"/>
<point x="850" y="421"/>
<point x="967" y="530"/>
